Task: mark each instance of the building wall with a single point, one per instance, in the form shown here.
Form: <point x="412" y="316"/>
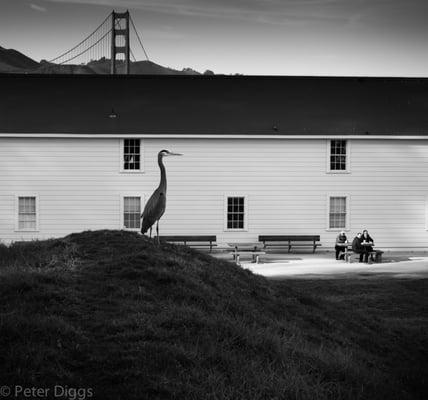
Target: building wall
<point x="79" y="186"/>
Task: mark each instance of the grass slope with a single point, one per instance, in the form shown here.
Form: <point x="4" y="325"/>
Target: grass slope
<point x="111" y="311"/>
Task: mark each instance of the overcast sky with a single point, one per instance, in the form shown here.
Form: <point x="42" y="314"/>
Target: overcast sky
<point x="260" y="37"/>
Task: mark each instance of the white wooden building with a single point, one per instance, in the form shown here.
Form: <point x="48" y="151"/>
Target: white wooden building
<point x="262" y="155"/>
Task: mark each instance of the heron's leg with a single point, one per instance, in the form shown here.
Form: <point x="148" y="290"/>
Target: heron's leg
<point x="150" y="232"/>
<point x="157" y="231"/>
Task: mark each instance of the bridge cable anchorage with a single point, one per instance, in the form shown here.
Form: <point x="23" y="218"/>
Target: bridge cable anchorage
<point x="139" y="39"/>
<point x="83" y="41"/>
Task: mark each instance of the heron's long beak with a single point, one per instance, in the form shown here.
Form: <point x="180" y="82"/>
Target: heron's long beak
<point x="175" y="154"/>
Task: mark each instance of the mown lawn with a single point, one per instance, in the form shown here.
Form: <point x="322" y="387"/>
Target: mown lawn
<point x="111" y="311"/>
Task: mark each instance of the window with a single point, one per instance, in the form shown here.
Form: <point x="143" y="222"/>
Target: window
<point x="131" y="212"/>
<point x="235" y="213"/>
<point x="131" y="155"/>
<point x="338" y="212"/>
<point x="338" y="156"/>
<point x="27" y="213"/>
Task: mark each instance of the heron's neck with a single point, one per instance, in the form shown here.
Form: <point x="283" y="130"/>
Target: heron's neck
<point x="162" y="184"/>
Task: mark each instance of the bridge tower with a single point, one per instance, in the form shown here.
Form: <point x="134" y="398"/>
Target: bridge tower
<point x="118" y="31"/>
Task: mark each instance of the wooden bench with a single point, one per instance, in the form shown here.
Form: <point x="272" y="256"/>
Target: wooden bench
<point x="290" y="240"/>
<point x="203" y="240"/>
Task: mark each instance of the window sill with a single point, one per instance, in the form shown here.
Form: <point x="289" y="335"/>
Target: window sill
<point x="338" y="172"/>
<point x="337" y="230"/>
<point x="235" y="230"/>
<point x="135" y="171"/>
<point x="26" y="230"/>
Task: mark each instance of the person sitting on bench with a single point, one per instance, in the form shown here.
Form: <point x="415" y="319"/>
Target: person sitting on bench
<point x="357" y="247"/>
<point x="341" y="244"/>
<point x="368" y="241"/>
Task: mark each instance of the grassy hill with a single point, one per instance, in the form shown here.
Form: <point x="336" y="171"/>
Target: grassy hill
<point x="113" y="312"/>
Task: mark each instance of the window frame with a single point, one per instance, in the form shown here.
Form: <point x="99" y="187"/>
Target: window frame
<point x="122" y="210"/>
<point x="122" y="153"/>
<point x="246" y="213"/>
<point x="17" y="197"/>
<point x="348" y="158"/>
<point x="347" y="227"/>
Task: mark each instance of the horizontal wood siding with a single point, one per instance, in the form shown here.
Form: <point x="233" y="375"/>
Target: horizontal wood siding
<point x="79" y="184"/>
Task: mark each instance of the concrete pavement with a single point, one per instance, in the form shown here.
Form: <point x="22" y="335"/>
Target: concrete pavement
<point x="322" y="264"/>
<point x="321" y="267"/>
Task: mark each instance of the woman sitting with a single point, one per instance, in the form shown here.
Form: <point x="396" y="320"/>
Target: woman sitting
<point x="368" y="243"/>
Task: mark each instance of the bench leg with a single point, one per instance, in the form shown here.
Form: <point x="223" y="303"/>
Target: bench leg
<point x="211" y="247"/>
<point x="289" y="246"/>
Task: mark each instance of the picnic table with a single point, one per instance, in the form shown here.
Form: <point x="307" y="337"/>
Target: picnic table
<point x="246" y="249"/>
<point x="349" y="252"/>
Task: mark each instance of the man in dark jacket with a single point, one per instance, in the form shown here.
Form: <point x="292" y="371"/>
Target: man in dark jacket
<point x="357" y="247"/>
<point x="341" y="244"/>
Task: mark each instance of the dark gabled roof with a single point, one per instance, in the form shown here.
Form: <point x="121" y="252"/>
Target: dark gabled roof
<point x="205" y="105"/>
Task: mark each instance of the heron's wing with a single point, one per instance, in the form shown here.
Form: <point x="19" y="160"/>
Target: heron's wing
<point x="154" y="209"/>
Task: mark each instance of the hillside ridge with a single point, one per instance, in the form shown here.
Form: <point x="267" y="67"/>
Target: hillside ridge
<point x="13" y="61"/>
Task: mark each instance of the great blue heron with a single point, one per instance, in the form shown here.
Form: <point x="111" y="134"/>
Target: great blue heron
<point x="156" y="205"/>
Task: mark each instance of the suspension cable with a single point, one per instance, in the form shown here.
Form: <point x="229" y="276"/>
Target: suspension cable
<point x="94" y="36"/>
<point x="77" y="45"/>
<point x="84" y="51"/>
<point x="139" y="39"/>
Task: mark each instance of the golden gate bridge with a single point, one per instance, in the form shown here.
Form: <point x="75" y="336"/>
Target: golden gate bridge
<point x="110" y="40"/>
